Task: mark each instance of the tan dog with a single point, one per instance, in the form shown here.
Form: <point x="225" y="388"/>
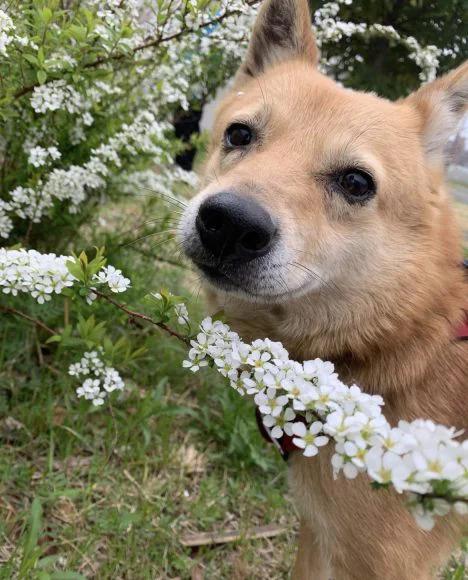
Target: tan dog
<point x="325" y="224"/>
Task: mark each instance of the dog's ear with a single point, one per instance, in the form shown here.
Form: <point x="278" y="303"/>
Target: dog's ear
<point x="441" y="104"/>
<point x="282" y="31"/>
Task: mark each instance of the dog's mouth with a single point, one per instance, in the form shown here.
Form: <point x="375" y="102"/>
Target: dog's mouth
<point x="212" y="273"/>
<point x="220" y="279"/>
<point x="251" y="284"/>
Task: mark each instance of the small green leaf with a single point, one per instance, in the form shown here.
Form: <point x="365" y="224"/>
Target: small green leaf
<point x="46" y="14"/>
<point x="40" y="56"/>
<point x="79" y="33"/>
<point x="41" y="76"/>
<point x="31" y="58"/>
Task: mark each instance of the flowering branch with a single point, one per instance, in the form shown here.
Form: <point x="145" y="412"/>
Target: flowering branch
<point x="307" y="402"/>
<point x="132" y="314"/>
<point x="152" y="43"/>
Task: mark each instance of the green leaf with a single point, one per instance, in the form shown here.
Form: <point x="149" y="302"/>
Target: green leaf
<point x="40" y="56"/>
<point x="54" y="338"/>
<point x="79" y="33"/>
<point x="46" y="15"/>
<point x="31" y="551"/>
<point x="31" y="58"/>
<point x="459" y="573"/>
<point x="67" y="576"/>
<point x="41" y="76"/>
<point x="75" y="269"/>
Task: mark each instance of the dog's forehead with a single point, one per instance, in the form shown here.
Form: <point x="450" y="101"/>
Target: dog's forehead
<point x="301" y="96"/>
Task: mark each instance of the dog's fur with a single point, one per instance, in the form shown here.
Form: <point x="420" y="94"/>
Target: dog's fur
<point x="376" y="288"/>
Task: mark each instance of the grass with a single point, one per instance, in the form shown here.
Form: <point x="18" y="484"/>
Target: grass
<point x="110" y="493"/>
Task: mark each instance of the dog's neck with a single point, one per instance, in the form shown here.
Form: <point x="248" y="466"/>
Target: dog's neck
<point x="389" y="351"/>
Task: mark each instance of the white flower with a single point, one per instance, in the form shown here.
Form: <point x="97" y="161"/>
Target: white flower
<point x="411" y="457"/>
<point x="113" y="278"/>
<point x="309" y="438"/>
<point x="42" y="275"/>
<point x="6" y="27"/>
<point x="269" y="404"/>
<point x="182" y="314"/>
<point x="424" y="516"/>
<point x="387" y="468"/>
<point x="56" y="95"/>
<point x="280" y="424"/>
<point x="106" y="379"/>
<point x="258" y="359"/>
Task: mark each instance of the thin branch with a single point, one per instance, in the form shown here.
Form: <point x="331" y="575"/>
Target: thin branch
<point x="210" y="538"/>
<point x="138" y="316"/>
<point x="154" y="42"/>
<point x="38" y="323"/>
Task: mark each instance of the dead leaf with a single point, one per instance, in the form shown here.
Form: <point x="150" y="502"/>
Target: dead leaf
<point x="191" y="459"/>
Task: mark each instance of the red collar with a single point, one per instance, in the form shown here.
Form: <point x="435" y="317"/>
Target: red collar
<point x="462" y="332"/>
<point x="285" y="445"/>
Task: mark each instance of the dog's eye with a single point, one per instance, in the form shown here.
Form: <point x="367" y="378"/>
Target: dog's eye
<point x="357" y="185"/>
<point x="238" y="135"/>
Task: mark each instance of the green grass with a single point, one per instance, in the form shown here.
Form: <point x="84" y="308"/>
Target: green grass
<point x="111" y="492"/>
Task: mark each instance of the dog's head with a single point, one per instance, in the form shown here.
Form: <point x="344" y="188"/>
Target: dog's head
<point x="311" y="188"/>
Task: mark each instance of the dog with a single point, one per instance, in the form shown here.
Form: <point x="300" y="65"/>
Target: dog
<point x="324" y="223"/>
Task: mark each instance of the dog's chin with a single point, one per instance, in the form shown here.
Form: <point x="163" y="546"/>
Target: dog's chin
<point x="242" y="288"/>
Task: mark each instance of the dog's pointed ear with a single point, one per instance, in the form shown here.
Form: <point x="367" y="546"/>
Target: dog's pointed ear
<point x="441" y="104"/>
<point x="282" y="31"/>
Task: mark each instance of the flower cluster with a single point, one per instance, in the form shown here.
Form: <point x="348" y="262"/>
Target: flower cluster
<point x="113" y="278"/>
<point x="144" y="136"/>
<point x="39" y="156"/>
<point x="42" y="275"/>
<point x="56" y="95"/>
<point x="309" y="403"/>
<point x="98" y="379"/>
<point x="6" y="27"/>
<point x="329" y="27"/>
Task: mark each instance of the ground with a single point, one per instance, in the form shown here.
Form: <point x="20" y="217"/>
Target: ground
<point x="115" y="492"/>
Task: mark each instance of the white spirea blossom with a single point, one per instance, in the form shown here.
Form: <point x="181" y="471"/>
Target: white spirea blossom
<point x="143" y="136"/>
<point x="178" y="78"/>
<point x="329" y="27"/>
<point x="39" y="156"/>
<point x="308" y="402"/>
<point x="56" y="95"/>
<point x="6" y="28"/>
<point x="43" y="275"/>
<point x="113" y="278"/>
<point x="98" y="379"/>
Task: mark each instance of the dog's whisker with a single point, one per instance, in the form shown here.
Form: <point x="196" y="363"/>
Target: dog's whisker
<point x="161" y="243"/>
<point x="178" y="204"/>
<point x="151" y="235"/>
<point x="146" y="223"/>
<point x="329" y="285"/>
<point x="164" y="195"/>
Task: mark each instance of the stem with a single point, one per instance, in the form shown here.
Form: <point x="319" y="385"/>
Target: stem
<point x="137" y="315"/>
<point x="66" y="312"/>
<point x="448" y="499"/>
<point x="38" y="323"/>
<point x="148" y="44"/>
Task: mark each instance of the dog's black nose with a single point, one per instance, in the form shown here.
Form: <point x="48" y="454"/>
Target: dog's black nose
<point x="235" y="228"/>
